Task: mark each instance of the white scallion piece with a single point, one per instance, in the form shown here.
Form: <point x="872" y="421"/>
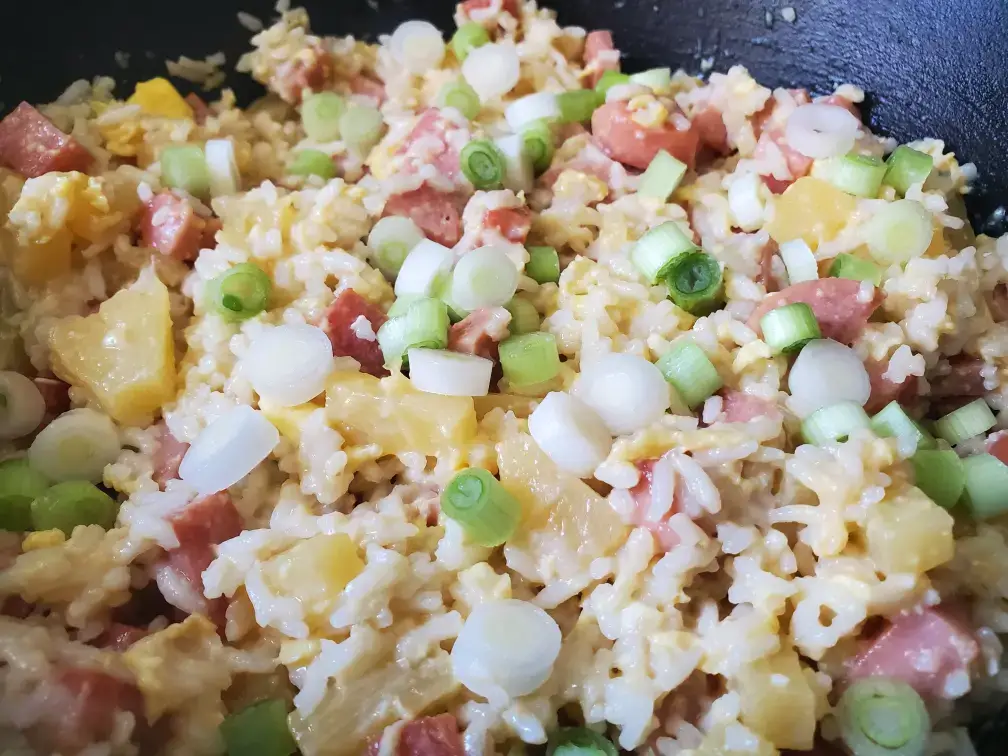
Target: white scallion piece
<point x="228" y="449"/>
<point x="518" y="174"/>
<point x="437" y="371"/>
<point x="818" y="130"/>
<point x="570" y="433"/>
<point x="627" y="392"/>
<point x="288" y="365"/>
<point x="223" y="167"/>
<point x="824" y="373"/>
<point x="77" y="445"/>
<point x="21" y="406"/>
<point x="418" y="45"/>
<point x="492" y="70"/>
<point x="485" y="277"/>
<point x="390" y="240"/>
<point x="799" y="261"/>
<point x="422" y="270"/>
<point x="506" y="649"/>
<point x="899" y="232"/>
<point x="745" y="202"/>
<point x="531" y="108"/>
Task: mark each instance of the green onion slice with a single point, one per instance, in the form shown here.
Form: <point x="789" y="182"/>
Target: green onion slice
<point x="654" y="252"/>
<point x="361" y="126"/>
<point x="986" y="486"/>
<point x="966" y="422"/>
<point x="906" y="167"/>
<point x="529" y="359"/>
<point x="834" y="423"/>
<point x="940" y="474"/>
<point x="543" y="265"/>
<point x="184" y="167"/>
<point x="424" y="325"/>
<point x="899" y="232"/>
<point x="239" y="293"/>
<point x="467" y="38"/>
<point x="658" y="80"/>
<point x="860" y="175"/>
<point x="478" y="502"/>
<point x="695" y="283"/>
<point x="483" y="164"/>
<point x="312" y="163"/>
<point x="664" y="173"/>
<point x="524" y="316"/>
<point x="579" y="741"/>
<point x="848" y="266"/>
<point x="537" y="143"/>
<point x="462" y="97"/>
<point x="390" y="241"/>
<point x="258" y="730"/>
<point x="66" y="505"/>
<point x="578" y="105"/>
<point x="20" y="485"/>
<point x="320" y="116"/>
<point x="691" y="373"/>
<point x="787" y="329"/>
<point x="892" y="421"/>
<point x="608" y="80"/>
<point x="879" y="716"/>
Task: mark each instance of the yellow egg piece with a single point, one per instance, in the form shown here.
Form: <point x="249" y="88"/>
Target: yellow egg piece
<point x="157" y="97"/>
<point x="43" y="539"/>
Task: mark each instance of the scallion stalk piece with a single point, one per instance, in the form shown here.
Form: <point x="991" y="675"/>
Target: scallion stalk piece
<point x="848" y="266"/>
<point x="424" y="325"/>
<point x="695" y="283"/>
<point x="258" y="730"/>
<point x="483" y="164"/>
<point x="939" y="473"/>
<point x="485" y="277"/>
<point x="966" y="422"/>
<point x="467" y="38"/>
<point x="787" y="329"/>
<point x="799" y="261"/>
<point x="691" y="373"/>
<point x="834" y="423"/>
<point x="579" y="741"/>
<point x="880" y="716"/>
<point x="66" y="505"/>
<point x="906" y="167"/>
<point x="312" y="163"/>
<point x="860" y="175"/>
<point x="537" y="143"/>
<point x="608" y="80"/>
<point x="529" y="359"/>
<point x="986" y="492"/>
<point x="184" y="167"/>
<point x="654" y="252"/>
<point x="320" y="116"/>
<point x="578" y="105"/>
<point x="664" y="173"/>
<point x="899" y="232"/>
<point x="20" y="485"/>
<point x="892" y="421"/>
<point x="487" y="512"/>
<point x="239" y="293"/>
<point x="524" y="316"/>
<point x="361" y="126"/>
<point x="462" y="97"/>
<point x="391" y="240"/>
<point x="658" y="80"/>
<point x="543" y="265"/>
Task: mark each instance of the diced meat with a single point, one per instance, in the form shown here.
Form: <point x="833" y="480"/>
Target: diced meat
<point x="646" y="512"/>
<point x="920" y="648"/>
<point x="55" y="394"/>
<point x="365" y="85"/>
<point x="32" y="145"/>
<point x="168" y="456"/>
<point x="480" y="332"/>
<point x="426" y="736"/>
<point x="508" y="6"/>
<point x="964" y="379"/>
<point x="600" y="54"/>
<point x="798" y="165"/>
<point x="427" y="144"/>
<point x="884" y="391"/>
<point x="998" y="302"/>
<point x="82" y="707"/>
<point x="766" y="276"/>
<point x="710" y="128"/>
<point x="765" y="115"/>
<point x="997" y="445"/>
<point x="312" y="68"/>
<point x="837" y="303"/>
<point x="740" y="407"/>
<point x="15" y="606"/>
<point x="171" y="226"/>
<point x="199" y="107"/>
<point x="513" y="223"/>
<point x="436" y="213"/>
<point x="843" y="102"/>
<point x="630" y="143"/>
<point x="338" y="323"/>
<point x="119" y="637"/>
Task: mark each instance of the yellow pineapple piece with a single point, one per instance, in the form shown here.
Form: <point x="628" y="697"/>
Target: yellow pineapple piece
<point x="777" y="701"/>
<point x="812" y="210"/>
<point x="909" y="533"/>
<point x="37" y="263"/>
<point x="315" y="571"/>
<point x="522" y="406"/>
<point x="123" y="354"/>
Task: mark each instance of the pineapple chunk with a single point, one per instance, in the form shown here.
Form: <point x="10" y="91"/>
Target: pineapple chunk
<point x="288" y="420"/>
<point x="37" y="263"/>
<point x="315" y="571"/>
<point x="123" y="354"/>
<point x="909" y="533"/>
<point x="777" y="701"/>
<point x="573" y="518"/>
<point x="733" y="740"/>
<point x="522" y="406"/>
<point x="391" y="413"/>
<point x="157" y="97"/>
<point x="812" y="210"/>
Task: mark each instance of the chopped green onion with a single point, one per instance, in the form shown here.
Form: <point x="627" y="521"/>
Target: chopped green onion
<point x="578" y="105"/>
<point x="860" y="175"/>
<point x="424" y="325"/>
<point x="524" y="316"/>
<point x="939" y="473"/>
<point x="892" y="421"/>
<point x="834" y="423"/>
<point x="537" y="143"/>
<point x="848" y="266"/>
<point x="320" y="116"/>
<point x="184" y="167"/>
<point x="654" y="252"/>
<point x="77" y="445"/>
<point x="483" y="164"/>
<point x="456" y="312"/>
<point x="986" y="486"/>
<point x="799" y="261"/>
<point x="898" y="232"/>
<point x="966" y="422"/>
<point x="66" y="505"/>
<point x="312" y="163"/>
<point x="880" y="716"/>
<point x="485" y="277"/>
<point x="467" y="38"/>
<point x="658" y="80"/>
<point x="608" y="80"/>
<point x="691" y="373"/>
<point x="543" y="265"/>
<point x="401" y="305"/>
<point x="361" y="126"/>
<point x="789" y="328"/>
<point x="258" y="730"/>
<point x="695" y="283"/>
<point x="663" y="175"/>
<point x="390" y="241"/>
<point x="477" y="501"/>
<point x="529" y="359"/>
<point x="20" y="485"/>
<point x="906" y="167"/>
<point x="579" y="741"/>
<point x="239" y="293"/>
<point x="462" y="97"/>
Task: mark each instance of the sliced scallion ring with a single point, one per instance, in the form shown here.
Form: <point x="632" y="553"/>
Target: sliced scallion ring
<point x="663" y="174"/>
<point x="883" y="717"/>
<point x="787" y="329"/>
<point x="66" y="505"/>
<point x="20" y="485"/>
<point x="695" y="282"/>
<point x="239" y="293"/>
<point x="906" y="167"/>
<point x="848" y="266"/>
<point x="462" y="97"/>
<point x="524" y="316"/>
<point x="940" y="474"/>
<point x="966" y="422"/>
<point x="529" y="359"/>
<point x="487" y="512"/>
<point x="391" y="239"/>
<point x="986" y="487"/>
<point x="77" y="445"/>
<point x="578" y="105"/>
<point x="691" y="373"/>
<point x="860" y="175"/>
<point x="424" y="325"/>
<point x="483" y="164"/>
<point x="537" y="143"/>
<point x="834" y="423"/>
<point x="892" y="421"/>
<point x="799" y="261"/>
<point x="320" y="116"/>
<point x="184" y="167"/>
<point x="543" y="265"/>
<point x="654" y="252"/>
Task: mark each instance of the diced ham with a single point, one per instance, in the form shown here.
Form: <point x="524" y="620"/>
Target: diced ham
<point x="884" y="391"/>
<point x="365" y="85"/>
<point x="199" y="107"/>
<point x="836" y="302"/>
<point x="765" y="115"/>
<point x="82" y="707"/>
<point x="119" y="637"/>
<point x="171" y="226"/>
<point x="168" y="456"/>
<point x="600" y="54"/>
<point x="15" y="606"/>
<point x="436" y="213"/>
<point x="766" y="275"/>
<point x="32" y="145"/>
<point x="964" y="379"/>
<point x="642" y="495"/>
<point x="425" y="736"/>
<point x="55" y="394"/>
<point x="630" y="143"/>
<point x="508" y="6"/>
<point x="920" y="648"/>
<point x="798" y="165"/>
<point x="513" y="223"/>
<point x="338" y="323"/>
<point x="998" y="302"/>
<point x="740" y="407"/>
<point x="427" y="144"/>
<point x="312" y="68"/>
<point x="710" y="128"/>
<point x="997" y="445"/>
<point x="480" y="332"/>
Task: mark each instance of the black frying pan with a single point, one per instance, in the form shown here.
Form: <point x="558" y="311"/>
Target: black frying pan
<point x="935" y="68"/>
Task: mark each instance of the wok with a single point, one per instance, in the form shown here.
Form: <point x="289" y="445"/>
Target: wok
<point x="936" y="68"/>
